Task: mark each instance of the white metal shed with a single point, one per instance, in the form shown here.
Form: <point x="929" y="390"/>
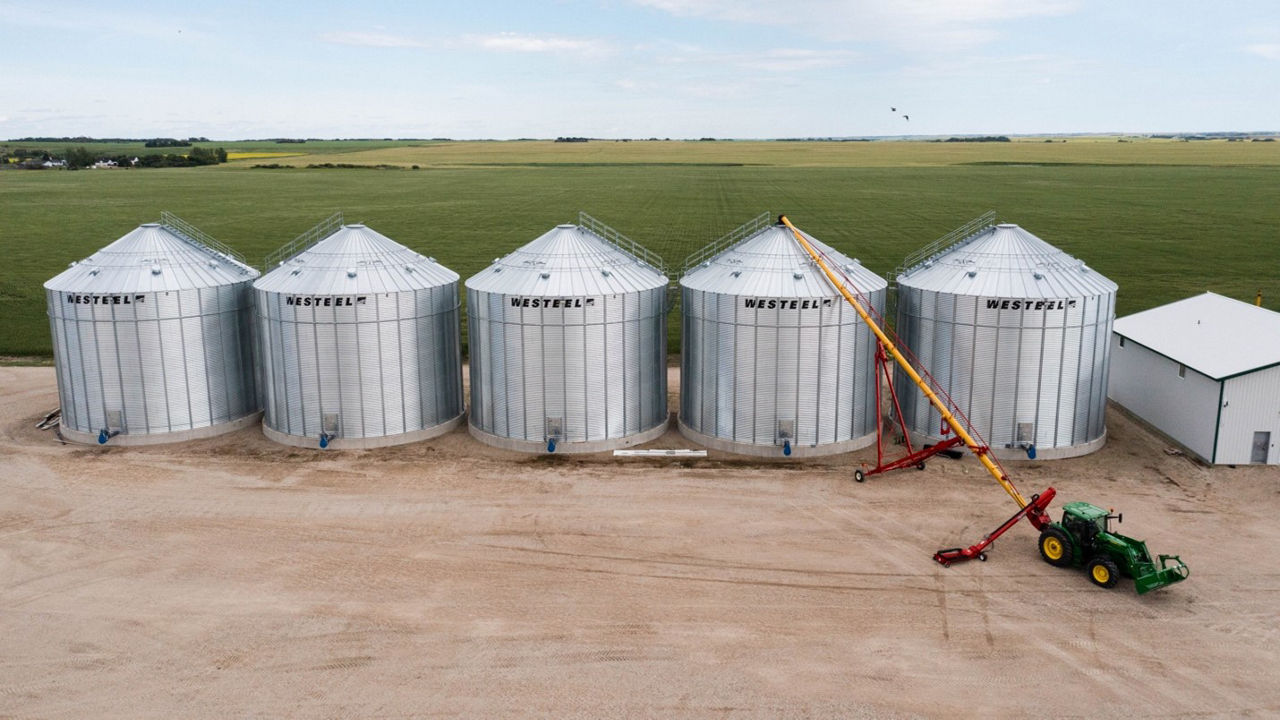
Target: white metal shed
<point x="1206" y="372"/>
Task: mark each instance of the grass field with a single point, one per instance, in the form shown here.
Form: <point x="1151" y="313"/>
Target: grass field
<point x="1163" y="219"/>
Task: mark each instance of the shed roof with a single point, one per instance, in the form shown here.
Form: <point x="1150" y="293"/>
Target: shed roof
<point x="1006" y="261"/>
<point x="355" y="259"/>
<point x="154" y="257"/>
<point x="770" y="263"/>
<point x="1211" y="334"/>
<point x="567" y="261"/>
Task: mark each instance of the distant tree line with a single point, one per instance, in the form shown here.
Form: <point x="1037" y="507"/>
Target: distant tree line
<point x="147" y="142"/>
<point x="571" y="139"/>
<point x="984" y="138"/>
<point x="167" y="142"/>
<point x="82" y="157"/>
<point x="161" y="142"/>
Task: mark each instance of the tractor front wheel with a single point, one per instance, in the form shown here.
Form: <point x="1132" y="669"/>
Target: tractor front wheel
<point x="1055" y="547"/>
<point x="1103" y="572"/>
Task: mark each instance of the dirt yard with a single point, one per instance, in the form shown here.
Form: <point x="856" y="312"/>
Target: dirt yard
<point x="234" y="577"/>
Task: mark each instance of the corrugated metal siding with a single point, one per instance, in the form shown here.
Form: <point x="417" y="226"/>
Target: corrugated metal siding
<point x="364" y="328"/>
<point x="389" y="366"/>
<point x="1147" y="384"/>
<point x="154" y="328"/>
<point x="1005" y="367"/>
<point x="745" y="369"/>
<point x="767" y="341"/>
<point x="569" y="328"/>
<point x="1251" y="403"/>
<point x="600" y="368"/>
<point x="167" y="361"/>
<point x="1016" y="331"/>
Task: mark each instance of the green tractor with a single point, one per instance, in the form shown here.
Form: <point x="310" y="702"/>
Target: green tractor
<point x="1084" y="538"/>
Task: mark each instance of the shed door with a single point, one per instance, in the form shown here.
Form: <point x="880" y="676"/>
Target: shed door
<point x="1261" y="444"/>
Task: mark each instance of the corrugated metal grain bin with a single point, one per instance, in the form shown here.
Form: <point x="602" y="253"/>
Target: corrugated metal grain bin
<point x="1017" y="332"/>
<point x="568" y="343"/>
<point x="152" y="338"/>
<point x="359" y="341"/>
<point x="775" y="361"/>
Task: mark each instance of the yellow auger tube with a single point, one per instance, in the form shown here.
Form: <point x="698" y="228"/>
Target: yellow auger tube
<point x="947" y="416"/>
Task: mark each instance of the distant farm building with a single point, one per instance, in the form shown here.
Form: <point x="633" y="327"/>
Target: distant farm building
<point x="1206" y="372"/>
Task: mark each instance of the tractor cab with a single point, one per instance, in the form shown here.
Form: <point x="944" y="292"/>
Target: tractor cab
<point x="1085" y="520"/>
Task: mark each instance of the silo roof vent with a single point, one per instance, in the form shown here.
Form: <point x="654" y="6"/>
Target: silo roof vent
<point x="355" y="258"/>
<point x="765" y="260"/>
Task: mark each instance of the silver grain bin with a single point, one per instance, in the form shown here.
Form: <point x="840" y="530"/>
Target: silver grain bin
<point x="568" y="341"/>
<point x="1016" y="331"/>
<point x="774" y="361"/>
<point x="359" y="341"/>
<point x="152" y="338"/>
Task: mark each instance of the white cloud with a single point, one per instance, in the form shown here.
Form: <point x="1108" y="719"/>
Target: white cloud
<point x="371" y="39"/>
<point x="506" y="42"/>
<point x="772" y="60"/>
<point x="1040" y="66"/>
<point x="1270" y="51"/>
<point x="517" y="42"/>
<point x="911" y="24"/>
<point x="787" y="60"/>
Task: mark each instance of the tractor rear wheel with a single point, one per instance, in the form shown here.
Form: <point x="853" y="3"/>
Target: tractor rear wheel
<point x="1055" y="547"/>
<point x="1103" y="572"/>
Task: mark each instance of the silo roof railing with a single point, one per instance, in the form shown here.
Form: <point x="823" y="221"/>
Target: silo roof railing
<point x="959" y="236"/>
<point x="622" y="242"/>
<point x="288" y="251"/>
<point x="746" y="230"/>
<point x="193" y="235"/>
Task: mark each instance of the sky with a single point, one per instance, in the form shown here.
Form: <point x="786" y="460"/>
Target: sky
<point x="636" y="68"/>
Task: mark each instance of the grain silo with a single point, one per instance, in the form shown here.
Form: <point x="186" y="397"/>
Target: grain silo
<point x="152" y="338"/>
<point x="1016" y="331"/>
<point x="359" y="341"/>
<point x="774" y="361"/>
<point x="568" y="343"/>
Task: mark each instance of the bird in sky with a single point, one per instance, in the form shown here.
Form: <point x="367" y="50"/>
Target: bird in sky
<point x="893" y="109"/>
<point x="907" y="118"/>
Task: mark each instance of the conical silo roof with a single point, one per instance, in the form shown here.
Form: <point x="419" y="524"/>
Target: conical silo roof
<point x="355" y="259"/>
<point x="568" y="261"/>
<point x="771" y="263"/>
<point x="154" y="257"/>
<point x="1006" y="261"/>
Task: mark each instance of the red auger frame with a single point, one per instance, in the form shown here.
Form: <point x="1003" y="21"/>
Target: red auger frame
<point x="1034" y="511"/>
<point x="913" y="456"/>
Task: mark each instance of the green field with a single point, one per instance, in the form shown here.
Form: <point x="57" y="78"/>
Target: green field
<point x="1163" y="219"/>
